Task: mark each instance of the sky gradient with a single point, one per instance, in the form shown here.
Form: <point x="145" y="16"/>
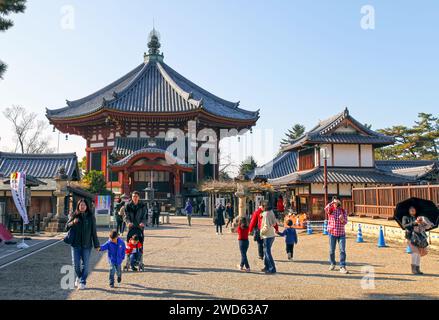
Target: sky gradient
<point x="297" y="61"/>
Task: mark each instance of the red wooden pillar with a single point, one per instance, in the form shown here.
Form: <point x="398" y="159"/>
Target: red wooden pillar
<point x="177" y="182"/>
<point x="126" y="182"/>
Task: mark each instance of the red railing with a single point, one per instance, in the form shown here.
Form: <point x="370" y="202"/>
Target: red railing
<point x="380" y="202"/>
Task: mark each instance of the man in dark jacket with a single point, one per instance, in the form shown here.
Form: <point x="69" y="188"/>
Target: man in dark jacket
<point x="136" y="216"/>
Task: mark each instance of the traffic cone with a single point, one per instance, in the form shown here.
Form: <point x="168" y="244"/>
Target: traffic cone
<point x="381" y="240"/>
<point x="308" y="228"/>
<point x="408" y="250"/>
<point x="325" y="228"/>
<point x="360" y="235"/>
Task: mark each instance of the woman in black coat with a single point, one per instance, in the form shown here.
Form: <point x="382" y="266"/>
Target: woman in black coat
<point x="83" y="225"/>
<point x="219" y="219"/>
<point x="415" y="227"/>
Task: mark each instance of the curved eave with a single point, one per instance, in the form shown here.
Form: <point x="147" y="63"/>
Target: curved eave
<point x="104" y="112"/>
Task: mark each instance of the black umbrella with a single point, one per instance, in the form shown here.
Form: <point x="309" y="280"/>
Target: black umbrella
<point x="425" y="208"/>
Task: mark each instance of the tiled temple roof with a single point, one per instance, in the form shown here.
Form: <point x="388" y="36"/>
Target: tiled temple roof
<point x="418" y="169"/>
<point x="40" y="165"/>
<point x="282" y="165"/>
<point x="125" y="146"/>
<point x="324" y="133"/>
<point x="342" y="175"/>
<point x="153" y="88"/>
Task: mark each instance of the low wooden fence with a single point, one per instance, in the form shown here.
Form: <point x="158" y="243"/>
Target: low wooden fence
<point x="380" y="202"/>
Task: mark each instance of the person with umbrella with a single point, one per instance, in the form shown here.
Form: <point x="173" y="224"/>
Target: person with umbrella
<point x="416" y="217"/>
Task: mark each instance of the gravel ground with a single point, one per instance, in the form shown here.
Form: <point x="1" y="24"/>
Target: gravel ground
<point x="195" y="263"/>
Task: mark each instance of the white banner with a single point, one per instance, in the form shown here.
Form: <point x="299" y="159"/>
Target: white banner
<point x="18" y="190"/>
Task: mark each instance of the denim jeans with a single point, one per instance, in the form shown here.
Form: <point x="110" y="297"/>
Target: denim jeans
<point x="81" y="260"/>
<point x="260" y="248"/>
<point x="243" y="248"/>
<point x="268" y="258"/>
<point x="135" y="259"/>
<point x="115" y="269"/>
<point x="342" y="246"/>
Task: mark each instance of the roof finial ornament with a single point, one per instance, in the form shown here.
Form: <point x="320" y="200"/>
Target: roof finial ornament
<point x="346" y="112"/>
<point x="154" y="42"/>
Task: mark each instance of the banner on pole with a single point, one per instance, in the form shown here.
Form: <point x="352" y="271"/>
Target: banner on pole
<point x="18" y="190"/>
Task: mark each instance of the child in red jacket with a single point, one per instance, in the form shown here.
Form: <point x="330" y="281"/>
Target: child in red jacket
<point x="134" y="251"/>
<point x="243" y="231"/>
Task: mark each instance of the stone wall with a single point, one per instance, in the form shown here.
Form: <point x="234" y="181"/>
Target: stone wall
<point x="392" y="231"/>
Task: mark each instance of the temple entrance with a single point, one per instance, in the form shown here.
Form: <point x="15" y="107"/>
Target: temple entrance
<point x="161" y="181"/>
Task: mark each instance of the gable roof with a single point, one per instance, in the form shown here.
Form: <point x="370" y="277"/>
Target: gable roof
<point x="123" y="147"/>
<point x="324" y="132"/>
<point x="40" y="166"/>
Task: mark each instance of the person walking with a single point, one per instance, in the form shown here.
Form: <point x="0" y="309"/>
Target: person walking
<point x="83" y="223"/>
<point x="116" y="254"/>
<point x="290" y="235"/>
<point x="243" y="231"/>
<point x="188" y="208"/>
<point x="255" y="227"/>
<point x="219" y="219"/>
<point x="416" y="236"/>
<point x="280" y="207"/>
<point x="120" y="223"/>
<point x="156" y="214"/>
<point x="202" y="208"/>
<point x="230" y="215"/>
<point x="136" y="217"/>
<point x="268" y="228"/>
<point x="337" y="220"/>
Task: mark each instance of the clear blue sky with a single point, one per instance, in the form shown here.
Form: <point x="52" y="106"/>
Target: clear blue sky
<point x="298" y="61"/>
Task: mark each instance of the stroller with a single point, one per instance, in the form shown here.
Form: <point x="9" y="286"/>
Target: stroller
<point x="139" y="261"/>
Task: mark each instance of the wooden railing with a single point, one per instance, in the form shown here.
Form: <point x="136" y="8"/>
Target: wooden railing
<point x="380" y="202"/>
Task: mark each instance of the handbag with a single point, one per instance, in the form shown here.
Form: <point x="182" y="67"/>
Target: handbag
<point x="70" y="237"/>
<point x="419" y="240"/>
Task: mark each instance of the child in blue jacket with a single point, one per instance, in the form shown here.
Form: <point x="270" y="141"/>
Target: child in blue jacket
<point x="290" y="235"/>
<point x="116" y="254"/>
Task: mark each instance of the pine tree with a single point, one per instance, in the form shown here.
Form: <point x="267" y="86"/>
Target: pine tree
<point x="7" y="7"/>
<point x="420" y="141"/>
<point x="292" y="134"/>
<point x="247" y="166"/>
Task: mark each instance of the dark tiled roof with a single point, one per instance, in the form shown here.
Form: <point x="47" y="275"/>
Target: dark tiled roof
<point x="176" y="160"/>
<point x="343" y="175"/>
<point x="125" y="146"/>
<point x="418" y="169"/>
<point x="39" y="165"/>
<point x="282" y="165"/>
<point x="323" y="133"/>
<point x="153" y="87"/>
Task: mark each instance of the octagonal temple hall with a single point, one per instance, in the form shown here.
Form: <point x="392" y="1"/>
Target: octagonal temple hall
<point x="125" y="122"/>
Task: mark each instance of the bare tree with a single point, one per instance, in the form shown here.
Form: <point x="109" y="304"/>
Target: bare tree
<point x="28" y="131"/>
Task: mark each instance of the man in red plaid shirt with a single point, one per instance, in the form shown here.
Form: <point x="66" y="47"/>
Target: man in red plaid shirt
<point x="337" y="219"/>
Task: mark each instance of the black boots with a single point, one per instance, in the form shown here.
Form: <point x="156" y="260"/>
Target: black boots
<point x="416" y="270"/>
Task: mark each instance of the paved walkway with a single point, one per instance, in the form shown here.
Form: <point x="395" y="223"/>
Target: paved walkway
<point x="195" y="263"/>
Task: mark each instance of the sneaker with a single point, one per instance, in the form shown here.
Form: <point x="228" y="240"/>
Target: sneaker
<point x="134" y="269"/>
<point x="77" y="283"/>
<point x="81" y="286"/>
<point x="112" y="285"/>
<point x="217" y="233"/>
<point x="240" y="268"/>
<point x="247" y="270"/>
<point x="332" y="267"/>
<point x="263" y="270"/>
<point x="343" y="270"/>
<point x="119" y="279"/>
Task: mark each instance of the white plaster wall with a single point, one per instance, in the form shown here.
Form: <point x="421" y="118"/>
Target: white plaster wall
<point x="367" y="155"/>
<point x="345" y="190"/>
<point x="346" y="155"/>
<point x="317" y="188"/>
<point x="328" y="147"/>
